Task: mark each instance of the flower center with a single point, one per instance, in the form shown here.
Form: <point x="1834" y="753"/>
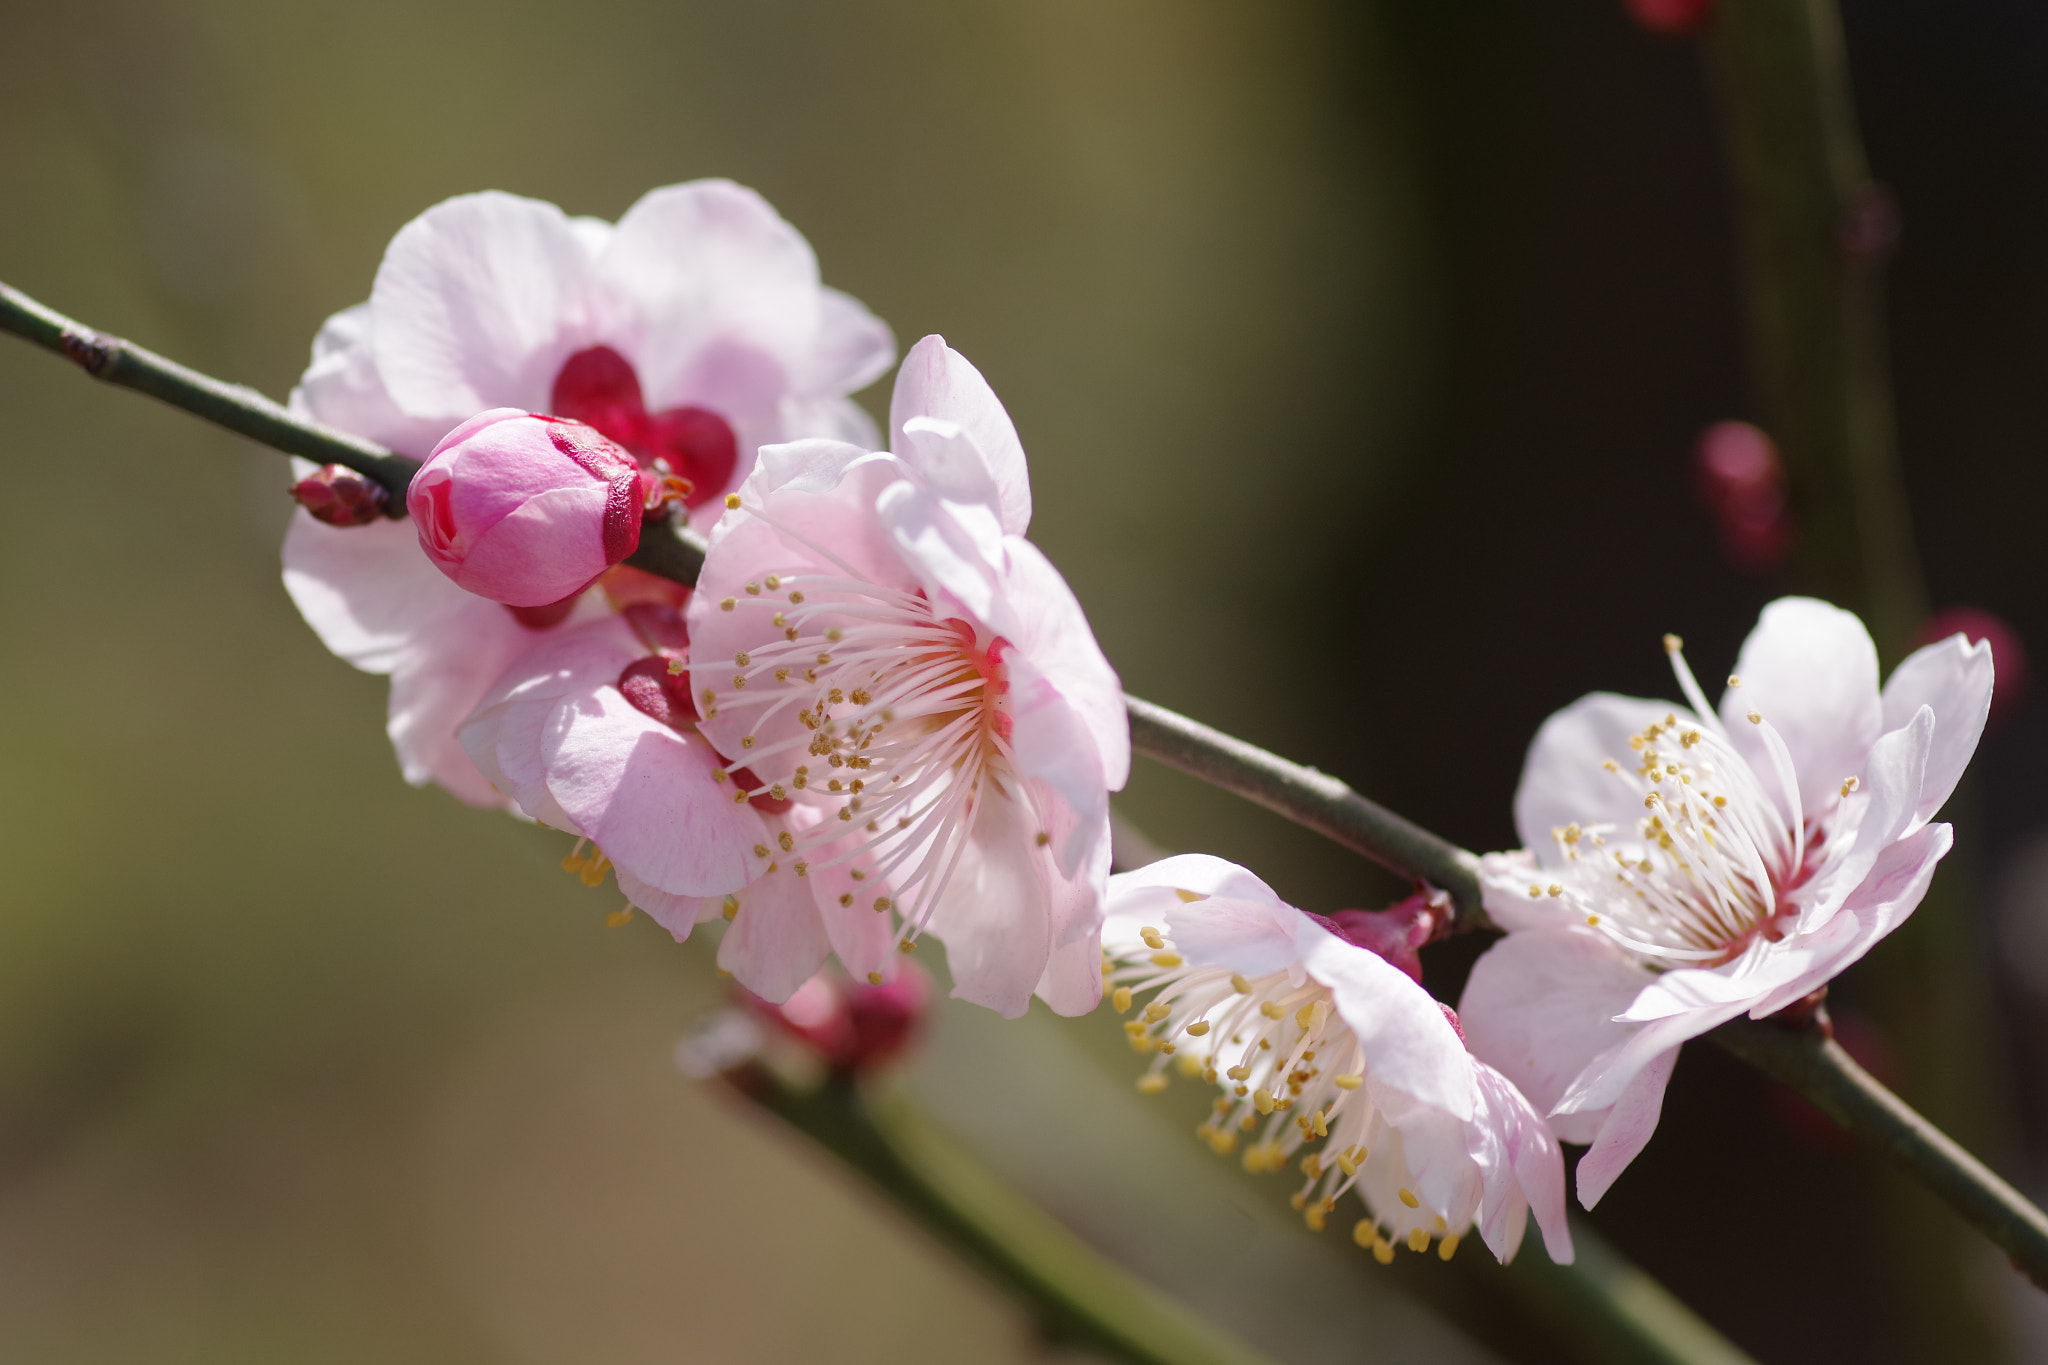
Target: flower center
<point x="1707" y="869"/>
<point x="1291" y="1070"/>
<point x="896" y="717"/>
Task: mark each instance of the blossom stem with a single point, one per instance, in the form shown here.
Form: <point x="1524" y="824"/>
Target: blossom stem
<point x="1815" y="230"/>
<point x="1077" y="1298"/>
<point x="238" y="408"/>
<point x="1822" y="1072"/>
<point x="1817" y="1067"/>
<point x="1310" y="798"/>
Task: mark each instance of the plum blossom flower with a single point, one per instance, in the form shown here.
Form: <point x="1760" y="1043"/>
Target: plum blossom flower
<point x="592" y="731"/>
<point x="1686" y="865"/>
<point x="689" y="333"/>
<point x="874" y="639"/>
<point x="1315" y="1039"/>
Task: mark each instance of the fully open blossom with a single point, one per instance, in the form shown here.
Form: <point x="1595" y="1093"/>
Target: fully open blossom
<point x="689" y="333"/>
<point x="1315" y="1039"/>
<point x="592" y="731"/>
<point x="874" y="639"/>
<point x="1686" y="865"/>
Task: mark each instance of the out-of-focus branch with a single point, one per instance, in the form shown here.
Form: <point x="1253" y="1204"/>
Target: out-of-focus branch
<point x="1077" y="1298"/>
<point x="1314" y="799"/>
<point x="1815" y="231"/>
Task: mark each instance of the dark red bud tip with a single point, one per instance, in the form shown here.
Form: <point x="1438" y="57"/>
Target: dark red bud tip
<point x="340" y="496"/>
<point x="656" y="690"/>
<point x="546" y="617"/>
<point x="852" y="1026"/>
<point x="1678" y="18"/>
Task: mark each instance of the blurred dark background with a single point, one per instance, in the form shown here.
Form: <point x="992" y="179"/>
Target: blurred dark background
<point x="1360" y="350"/>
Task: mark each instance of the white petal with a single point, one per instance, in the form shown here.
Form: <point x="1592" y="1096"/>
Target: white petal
<point x="994" y="917"/>
<point x="1954" y="678"/>
<point x="1217" y="913"/>
<point x="955" y="553"/>
<point x="1876" y="815"/>
<point x="1053" y="632"/>
<point x="1563" y="780"/>
<point x="853" y="349"/>
<point x="777" y="940"/>
<point x="1408" y="1042"/>
<point x="343" y="389"/>
<point x="937" y="381"/>
<point x="1627" y="1128"/>
<point x="477" y="303"/>
<point x="1811" y="671"/>
<point x="1539" y="1006"/>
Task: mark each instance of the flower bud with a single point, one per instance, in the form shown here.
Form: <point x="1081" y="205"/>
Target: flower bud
<point x="527" y="510"/>
<point x="1397" y="933"/>
<point x="1742" y="482"/>
<point x="1680" y="18"/>
<point x="852" y="1026"/>
<point x="340" y="496"/>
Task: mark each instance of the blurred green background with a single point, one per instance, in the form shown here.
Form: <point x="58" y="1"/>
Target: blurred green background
<point x="1358" y="350"/>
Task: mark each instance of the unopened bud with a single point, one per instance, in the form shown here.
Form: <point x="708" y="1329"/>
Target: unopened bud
<point x="1742" y="482"/>
<point x="1397" y="933"/>
<point x="527" y="510"/>
<point x="854" y="1027"/>
<point x="1679" y="18"/>
<point x="340" y="496"/>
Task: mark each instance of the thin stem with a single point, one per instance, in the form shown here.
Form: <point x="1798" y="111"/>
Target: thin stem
<point x="1613" y="1307"/>
<point x="1816" y="1066"/>
<point x="238" y="408"/>
<point x="1302" y="794"/>
<point x="1078" y="1298"/>
<point x="1311" y="798"/>
<point x="1815" y="230"/>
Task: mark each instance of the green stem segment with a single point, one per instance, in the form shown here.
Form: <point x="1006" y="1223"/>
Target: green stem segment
<point x="1077" y="1298"/>
<point x="1825" y="1075"/>
<point x="1815" y="230"/>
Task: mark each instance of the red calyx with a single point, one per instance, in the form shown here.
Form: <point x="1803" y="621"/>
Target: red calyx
<point x="547" y="617"/>
<point x="692" y="449"/>
<point x="340" y="496"/>
<point x="1397" y="933"/>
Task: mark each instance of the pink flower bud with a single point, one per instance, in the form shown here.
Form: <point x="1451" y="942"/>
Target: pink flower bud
<point x="339" y="496"/>
<point x="1742" y="482"/>
<point x="527" y="510"/>
<point x="1397" y="933"/>
<point x="853" y="1027"/>
<point x="1679" y="18"/>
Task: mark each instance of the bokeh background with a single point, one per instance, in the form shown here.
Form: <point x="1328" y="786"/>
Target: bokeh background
<point x="1359" y="348"/>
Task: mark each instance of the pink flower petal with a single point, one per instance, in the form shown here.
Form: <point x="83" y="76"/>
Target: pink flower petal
<point x="937" y="381"/>
<point x="1563" y="780"/>
<point x="1954" y="678"/>
<point x="1811" y="671"/>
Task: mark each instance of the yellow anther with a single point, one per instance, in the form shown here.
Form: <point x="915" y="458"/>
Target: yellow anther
<point x="1152" y="937"/>
<point x="908" y="945"/>
<point x="1135" y="1027"/>
<point x="1383" y="1251"/>
<point x="786" y="841"/>
<point x="1418" y="1240"/>
<point x="1756" y="718"/>
<point x="1350" y="1082"/>
<point x="676" y="668"/>
<point x="874" y="978"/>
<point x="619" y="917"/>
<point x="1271" y="1009"/>
<point x="1593" y="921"/>
<point x="1555" y="890"/>
<point x="1151" y="1083"/>
<point x="1239" y="984"/>
<point x="1199" y="1027"/>
<point x="731" y="906"/>
<point x="1408" y="1198"/>
<point x="1347" y="1164"/>
<point x="741" y="659"/>
<point x="1315" y="1216"/>
<point x="1364" y="1233"/>
<point x="1447" y="1248"/>
<point x="760" y="850"/>
<point x="1166" y="959"/>
<point x="753" y="589"/>
<point x="1672" y="644"/>
<point x="1534" y="891"/>
<point x="1849" y="785"/>
<point x="1312" y="1166"/>
<point x="1734" y="681"/>
<point x="732" y="501"/>
<point x="883" y="905"/>
<point x="1262" y="1099"/>
<point x="1306" y="1015"/>
<point x="1156" y="1011"/>
<point x="1239" y="1072"/>
<point x="1120" y="1000"/>
<point x="1321" y="1123"/>
<point x="1189" y="897"/>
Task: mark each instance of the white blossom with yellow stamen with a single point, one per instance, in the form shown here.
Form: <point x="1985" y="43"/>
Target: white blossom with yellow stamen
<point x="1330" y="1059"/>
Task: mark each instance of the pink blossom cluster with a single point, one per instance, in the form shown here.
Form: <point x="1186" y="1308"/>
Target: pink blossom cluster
<point x="881" y="714"/>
